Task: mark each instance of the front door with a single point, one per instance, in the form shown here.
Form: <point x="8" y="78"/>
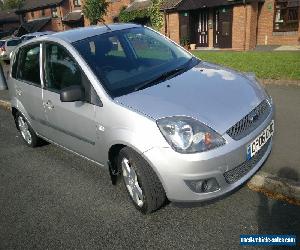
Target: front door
<point x="223" y="27"/>
<point x="202" y="32"/>
<point x="70" y="124"/>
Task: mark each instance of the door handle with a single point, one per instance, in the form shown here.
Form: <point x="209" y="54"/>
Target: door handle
<point x="49" y="105"/>
<point x="19" y="91"/>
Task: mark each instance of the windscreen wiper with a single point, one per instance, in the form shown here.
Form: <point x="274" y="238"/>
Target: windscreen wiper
<point x="159" y="78"/>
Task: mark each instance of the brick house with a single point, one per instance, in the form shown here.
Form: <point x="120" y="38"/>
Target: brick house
<point x="59" y="15"/>
<point x="236" y="24"/>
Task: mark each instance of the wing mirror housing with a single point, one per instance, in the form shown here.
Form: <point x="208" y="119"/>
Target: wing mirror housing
<point x="72" y="94"/>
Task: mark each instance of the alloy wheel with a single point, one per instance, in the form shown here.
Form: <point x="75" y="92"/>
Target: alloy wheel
<point x="131" y="182"/>
<point x="24" y="129"/>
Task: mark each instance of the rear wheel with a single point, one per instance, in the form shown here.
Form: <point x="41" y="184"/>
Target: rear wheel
<point x="143" y="186"/>
<point x="28" y="135"/>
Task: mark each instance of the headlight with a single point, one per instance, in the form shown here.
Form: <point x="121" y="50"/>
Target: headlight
<point x="187" y="135"/>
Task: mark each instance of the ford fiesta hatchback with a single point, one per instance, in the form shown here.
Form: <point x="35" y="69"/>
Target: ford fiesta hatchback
<point x="134" y="102"/>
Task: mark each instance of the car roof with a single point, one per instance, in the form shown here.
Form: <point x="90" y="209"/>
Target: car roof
<point x="13" y="38"/>
<point x="77" y="34"/>
<point x="39" y="33"/>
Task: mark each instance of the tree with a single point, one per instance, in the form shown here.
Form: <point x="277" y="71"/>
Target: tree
<point x="94" y="10"/>
<point x="152" y="13"/>
<point x="11" y="4"/>
<point x="156" y="16"/>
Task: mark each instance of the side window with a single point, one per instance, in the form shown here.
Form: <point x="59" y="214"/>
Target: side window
<point x="29" y="66"/>
<point x="61" y="70"/>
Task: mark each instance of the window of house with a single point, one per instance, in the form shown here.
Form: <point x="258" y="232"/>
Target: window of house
<point x="43" y="12"/>
<point x="77" y="3"/>
<point x="54" y="12"/>
<point x="29" y="69"/>
<point x="286" y="15"/>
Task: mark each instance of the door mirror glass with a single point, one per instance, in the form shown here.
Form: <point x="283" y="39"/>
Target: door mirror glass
<point x="72" y="94"/>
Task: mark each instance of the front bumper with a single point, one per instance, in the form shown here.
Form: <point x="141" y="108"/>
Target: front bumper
<point x="174" y="169"/>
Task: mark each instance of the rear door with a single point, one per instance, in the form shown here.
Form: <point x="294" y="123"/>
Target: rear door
<point x="28" y="87"/>
<point x="70" y="124"/>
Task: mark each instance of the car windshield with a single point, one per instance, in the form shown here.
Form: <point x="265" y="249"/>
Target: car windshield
<point x="2" y="43"/>
<point x="132" y="59"/>
<point x="14" y="42"/>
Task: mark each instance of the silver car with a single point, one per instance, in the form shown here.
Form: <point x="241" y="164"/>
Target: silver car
<point x="132" y="101"/>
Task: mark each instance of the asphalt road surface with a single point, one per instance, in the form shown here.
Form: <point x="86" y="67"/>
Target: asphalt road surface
<point x="51" y="199"/>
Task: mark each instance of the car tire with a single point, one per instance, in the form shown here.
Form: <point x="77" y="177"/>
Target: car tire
<point x="27" y="133"/>
<point x="143" y="186"/>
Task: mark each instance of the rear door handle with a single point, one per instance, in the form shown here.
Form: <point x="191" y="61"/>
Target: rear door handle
<point x="19" y="91"/>
<point x="49" y="105"/>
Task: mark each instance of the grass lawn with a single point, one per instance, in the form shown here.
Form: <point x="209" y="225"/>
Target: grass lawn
<point x="266" y="65"/>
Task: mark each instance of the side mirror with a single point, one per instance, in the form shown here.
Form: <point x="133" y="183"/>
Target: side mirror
<point x="72" y="94"/>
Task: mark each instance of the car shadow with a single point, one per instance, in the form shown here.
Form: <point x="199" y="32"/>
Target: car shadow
<point x="279" y="217"/>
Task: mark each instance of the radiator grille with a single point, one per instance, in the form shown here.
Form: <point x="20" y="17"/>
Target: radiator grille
<point x="238" y="172"/>
<point x="250" y="122"/>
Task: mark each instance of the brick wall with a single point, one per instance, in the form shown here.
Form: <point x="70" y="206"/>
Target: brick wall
<point x="238" y="27"/>
<point x="244" y="26"/>
<point x="172" y="25"/>
<point x="114" y="9"/>
<point x="251" y="31"/>
<point x="266" y="36"/>
<point x="55" y="24"/>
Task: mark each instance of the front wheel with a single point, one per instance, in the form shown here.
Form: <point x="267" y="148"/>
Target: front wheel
<point x="143" y="186"/>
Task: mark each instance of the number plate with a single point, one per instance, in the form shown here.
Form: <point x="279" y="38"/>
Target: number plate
<point x="260" y="141"/>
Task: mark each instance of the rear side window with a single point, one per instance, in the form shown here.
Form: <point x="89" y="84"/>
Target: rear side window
<point x="13" y="42"/>
<point x="29" y="66"/>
